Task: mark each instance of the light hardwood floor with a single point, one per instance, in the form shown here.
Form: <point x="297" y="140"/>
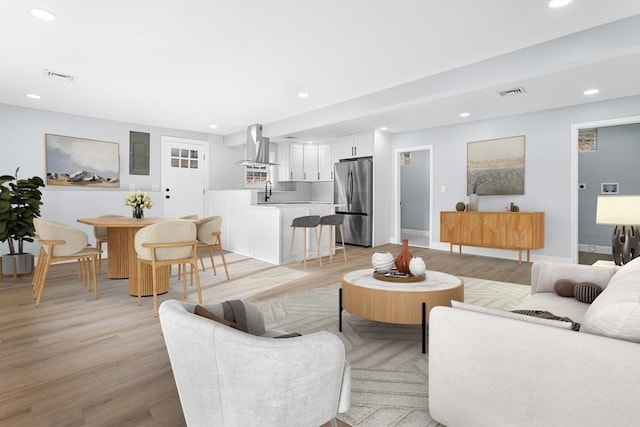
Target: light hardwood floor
<point x="76" y="361"/>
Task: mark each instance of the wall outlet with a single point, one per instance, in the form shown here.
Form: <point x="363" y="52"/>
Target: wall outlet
<point x="443" y="188"/>
<point x="155" y="187"/>
<point x="132" y="187"/>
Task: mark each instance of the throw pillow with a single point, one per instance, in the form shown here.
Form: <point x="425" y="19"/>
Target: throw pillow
<point x="565" y="287"/>
<point x="291" y="335"/>
<point x="203" y="312"/>
<point x="546" y="315"/>
<point x="587" y="292"/>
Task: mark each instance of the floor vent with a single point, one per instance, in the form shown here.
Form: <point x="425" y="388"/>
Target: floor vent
<point x="515" y="91"/>
<point x="59" y="76"/>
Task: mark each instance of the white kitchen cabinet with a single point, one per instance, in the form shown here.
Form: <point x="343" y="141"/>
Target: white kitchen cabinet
<point x="283" y="160"/>
<point x="359" y="145"/>
<point x="291" y="158"/>
<point x="325" y="161"/>
<point x="310" y="162"/>
<point x="296" y="162"/>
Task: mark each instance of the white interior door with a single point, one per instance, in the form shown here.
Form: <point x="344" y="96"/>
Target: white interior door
<point x="184" y="176"/>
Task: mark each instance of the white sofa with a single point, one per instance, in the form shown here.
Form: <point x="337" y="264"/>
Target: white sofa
<point x="486" y="369"/>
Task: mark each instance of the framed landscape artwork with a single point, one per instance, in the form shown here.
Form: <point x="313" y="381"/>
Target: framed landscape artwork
<point x="80" y="162"/>
<point x="496" y="166"/>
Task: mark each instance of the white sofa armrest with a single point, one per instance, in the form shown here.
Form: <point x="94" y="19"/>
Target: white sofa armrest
<point x="491" y="371"/>
<point x="544" y="275"/>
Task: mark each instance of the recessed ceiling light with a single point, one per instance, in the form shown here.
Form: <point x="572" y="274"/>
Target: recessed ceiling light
<point x="213" y="126"/>
<point x="384" y="128"/>
<point x="559" y="3"/>
<point x="309" y="142"/>
<point x="45" y="15"/>
<point x="464" y="114"/>
<point x="303" y="95"/>
<point x="591" y="91"/>
<point x="33" y="96"/>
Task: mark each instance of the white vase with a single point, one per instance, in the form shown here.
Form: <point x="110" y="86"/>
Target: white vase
<point x="473" y="202"/>
<point x="417" y="266"/>
<point x="382" y="262"/>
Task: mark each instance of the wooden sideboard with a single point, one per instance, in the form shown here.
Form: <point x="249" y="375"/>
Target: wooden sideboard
<point x="501" y="230"/>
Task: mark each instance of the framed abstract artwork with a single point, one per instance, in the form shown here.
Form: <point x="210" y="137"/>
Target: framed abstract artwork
<point x="80" y="162"/>
<point x="496" y="166"/>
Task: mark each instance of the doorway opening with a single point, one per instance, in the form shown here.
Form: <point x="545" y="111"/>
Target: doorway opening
<point x="413" y="196"/>
<point x="576" y="255"/>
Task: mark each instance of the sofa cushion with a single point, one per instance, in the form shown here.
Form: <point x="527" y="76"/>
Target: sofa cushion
<point x="203" y="312"/>
<point x="510" y="315"/>
<point x="565" y="287"/>
<point x="587" y="292"/>
<point x="616" y="312"/>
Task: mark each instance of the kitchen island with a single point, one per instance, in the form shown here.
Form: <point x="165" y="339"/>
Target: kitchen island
<point x="263" y="231"/>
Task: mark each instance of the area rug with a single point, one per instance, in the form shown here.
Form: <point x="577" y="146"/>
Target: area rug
<point x="389" y="372"/>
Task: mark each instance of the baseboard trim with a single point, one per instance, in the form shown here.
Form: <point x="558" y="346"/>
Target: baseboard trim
<point x="595" y="249"/>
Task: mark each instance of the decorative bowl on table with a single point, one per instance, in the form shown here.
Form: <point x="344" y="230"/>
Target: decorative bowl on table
<point x="382" y="262"/>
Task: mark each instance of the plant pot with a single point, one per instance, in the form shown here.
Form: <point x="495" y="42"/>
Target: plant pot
<point x="17" y="264"/>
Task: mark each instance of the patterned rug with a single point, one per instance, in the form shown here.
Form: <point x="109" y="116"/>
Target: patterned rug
<point x="389" y="372"/>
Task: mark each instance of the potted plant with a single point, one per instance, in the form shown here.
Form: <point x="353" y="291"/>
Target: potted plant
<point x="20" y="201"/>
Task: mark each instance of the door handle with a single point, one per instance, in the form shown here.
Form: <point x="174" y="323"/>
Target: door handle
<point x="167" y="196"/>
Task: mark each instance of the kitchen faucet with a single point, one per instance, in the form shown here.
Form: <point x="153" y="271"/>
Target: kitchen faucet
<point x="268" y="187"/>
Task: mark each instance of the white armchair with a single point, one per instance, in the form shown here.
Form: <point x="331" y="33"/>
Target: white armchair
<point x="227" y="377"/>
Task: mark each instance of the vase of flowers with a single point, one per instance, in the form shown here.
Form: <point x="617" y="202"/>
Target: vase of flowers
<point x="139" y="201"/>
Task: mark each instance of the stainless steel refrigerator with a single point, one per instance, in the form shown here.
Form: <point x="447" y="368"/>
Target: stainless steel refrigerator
<point x="353" y="192"/>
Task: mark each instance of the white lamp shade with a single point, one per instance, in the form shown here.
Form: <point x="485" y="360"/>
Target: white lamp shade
<point x="618" y="210"/>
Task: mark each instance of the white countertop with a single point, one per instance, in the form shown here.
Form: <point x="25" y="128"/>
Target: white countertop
<point x="434" y="281"/>
<point x="293" y="205"/>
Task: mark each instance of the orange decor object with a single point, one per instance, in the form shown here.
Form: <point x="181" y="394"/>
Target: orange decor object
<point x="402" y="261"/>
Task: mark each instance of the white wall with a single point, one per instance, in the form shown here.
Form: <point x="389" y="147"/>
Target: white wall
<point x="547" y="167"/>
<point x="415" y="190"/>
<point x="22" y="144"/>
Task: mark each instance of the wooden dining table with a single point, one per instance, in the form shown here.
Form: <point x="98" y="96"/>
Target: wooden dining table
<point x="121" y="253"/>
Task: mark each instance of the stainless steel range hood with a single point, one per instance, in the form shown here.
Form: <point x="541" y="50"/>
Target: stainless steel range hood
<point x="257" y="148"/>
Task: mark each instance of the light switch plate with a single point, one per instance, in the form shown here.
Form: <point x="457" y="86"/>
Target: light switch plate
<point x="443" y="188"/>
<point x="132" y="187"/>
<point x="155" y="187"/>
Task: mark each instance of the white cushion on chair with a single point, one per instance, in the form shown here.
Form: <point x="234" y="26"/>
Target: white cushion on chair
<point x="74" y="240"/>
<point x="166" y="232"/>
<point x="207" y="227"/>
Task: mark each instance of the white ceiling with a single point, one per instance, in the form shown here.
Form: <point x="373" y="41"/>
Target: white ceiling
<point x="366" y="64"/>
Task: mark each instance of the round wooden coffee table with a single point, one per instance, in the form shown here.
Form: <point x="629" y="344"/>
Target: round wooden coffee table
<point x="407" y="303"/>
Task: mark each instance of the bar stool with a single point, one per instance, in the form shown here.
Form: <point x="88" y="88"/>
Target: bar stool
<point x="333" y="221"/>
<point x="305" y="222"/>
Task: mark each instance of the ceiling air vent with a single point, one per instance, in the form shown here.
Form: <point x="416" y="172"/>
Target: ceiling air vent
<point x="515" y="91"/>
<point x="290" y="137"/>
<point x="59" y="76"/>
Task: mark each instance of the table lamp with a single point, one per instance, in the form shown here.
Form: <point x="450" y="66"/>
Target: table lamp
<point x="624" y="213"/>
